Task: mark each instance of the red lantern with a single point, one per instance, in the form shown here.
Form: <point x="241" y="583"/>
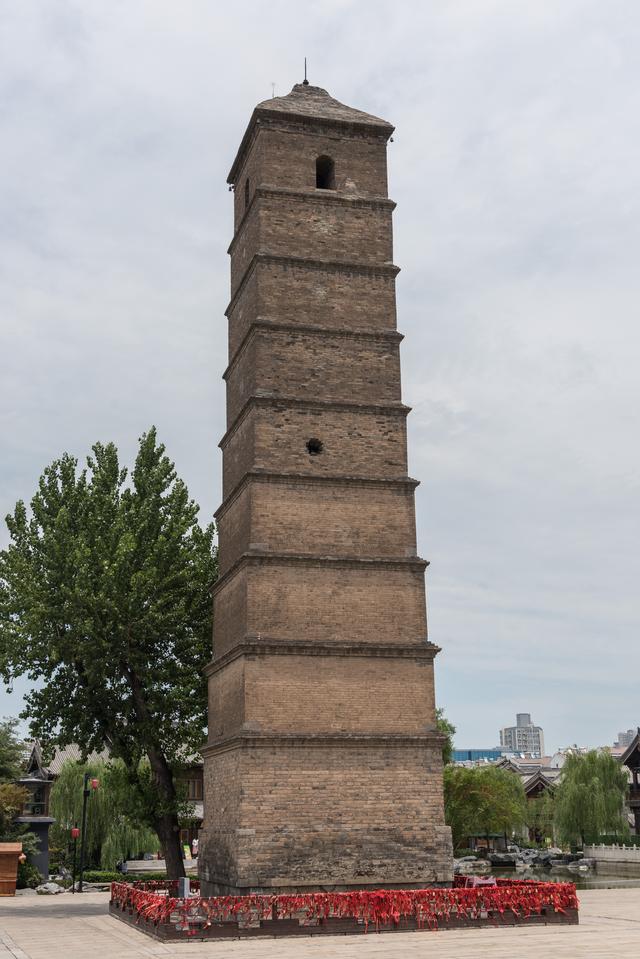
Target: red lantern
<point x="95" y="783"/>
<point x="75" y="832"/>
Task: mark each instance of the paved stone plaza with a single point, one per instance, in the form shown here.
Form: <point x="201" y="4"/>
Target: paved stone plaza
<point x="66" y="927"/>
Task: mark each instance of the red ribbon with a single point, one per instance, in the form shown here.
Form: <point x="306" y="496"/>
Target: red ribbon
<point x="156" y="902"/>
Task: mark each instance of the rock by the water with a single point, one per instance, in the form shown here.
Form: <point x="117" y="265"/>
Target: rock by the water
<point x="504" y="859"/>
<point x="49" y="889"/>
<point x="582" y="865"/>
<point x="471" y="867"/>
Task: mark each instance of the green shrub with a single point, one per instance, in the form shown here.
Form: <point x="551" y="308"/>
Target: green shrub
<point x="28" y="876"/>
<point x="614" y="840"/>
<point x="104" y="875"/>
<point x="100" y="875"/>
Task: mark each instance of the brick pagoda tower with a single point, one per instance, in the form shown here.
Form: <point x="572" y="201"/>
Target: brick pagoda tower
<point x="323" y="765"/>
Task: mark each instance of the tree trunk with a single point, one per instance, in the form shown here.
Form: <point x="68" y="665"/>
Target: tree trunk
<point x="168" y="831"/>
<point x="166" y="820"/>
<point x="167" y="825"/>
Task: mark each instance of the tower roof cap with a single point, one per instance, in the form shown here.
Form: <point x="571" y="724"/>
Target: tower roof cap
<point x="314" y="102"/>
<point x="308" y="103"/>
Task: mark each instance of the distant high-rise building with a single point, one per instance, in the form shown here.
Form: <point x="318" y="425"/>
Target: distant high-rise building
<point x="626" y="738"/>
<point x="524" y="737"/>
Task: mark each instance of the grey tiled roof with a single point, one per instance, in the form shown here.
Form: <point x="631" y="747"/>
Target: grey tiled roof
<point x="314" y="102"/>
<point x="61" y="756"/>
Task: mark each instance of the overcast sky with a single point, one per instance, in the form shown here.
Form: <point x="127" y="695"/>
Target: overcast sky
<point x="516" y="168"/>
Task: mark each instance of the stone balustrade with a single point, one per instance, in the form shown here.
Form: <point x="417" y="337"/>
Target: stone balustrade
<point x="613" y="854"/>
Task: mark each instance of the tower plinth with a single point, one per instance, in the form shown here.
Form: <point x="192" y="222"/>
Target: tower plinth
<point x="323" y="765"/>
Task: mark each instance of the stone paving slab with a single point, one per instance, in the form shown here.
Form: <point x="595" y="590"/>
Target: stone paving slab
<point x="78" y="927"/>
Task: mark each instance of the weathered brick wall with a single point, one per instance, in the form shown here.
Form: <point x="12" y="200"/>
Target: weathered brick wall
<point x="239" y="452"/>
<point x="343" y="814"/>
<point x="286" y="157"/>
<point x="276" y="362"/>
<point x="331" y="520"/>
<point x="227" y="700"/>
<point x="230" y="613"/>
<point x="310" y="293"/>
<point x="337" y="604"/>
<point x="235" y="529"/>
<point x="219" y="839"/>
<point x="291" y="694"/>
<point x="333" y="227"/>
<point x="326" y="226"/>
<point x="245" y="244"/>
<point x="316" y="602"/>
<point x="253" y="171"/>
<point x="356" y="443"/>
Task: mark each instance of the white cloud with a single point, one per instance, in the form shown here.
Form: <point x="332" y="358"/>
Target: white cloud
<point x="516" y="169"/>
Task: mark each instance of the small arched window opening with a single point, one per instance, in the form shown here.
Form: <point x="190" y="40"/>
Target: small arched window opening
<point x="325" y="173"/>
<point x="246" y="193"/>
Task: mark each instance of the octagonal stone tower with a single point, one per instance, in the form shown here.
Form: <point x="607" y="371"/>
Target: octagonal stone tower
<point x="323" y="765"/>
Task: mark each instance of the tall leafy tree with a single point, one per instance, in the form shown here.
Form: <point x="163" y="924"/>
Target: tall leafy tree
<point x="12" y="751"/>
<point x="590" y="798"/>
<point x="448" y="730"/>
<point x="105" y="601"/>
<point x="482" y="800"/>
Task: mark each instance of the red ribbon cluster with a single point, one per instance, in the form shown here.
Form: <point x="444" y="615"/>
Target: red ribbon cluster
<point x="155" y="903"/>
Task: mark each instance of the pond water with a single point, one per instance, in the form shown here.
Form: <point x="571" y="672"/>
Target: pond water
<point x="592" y="880"/>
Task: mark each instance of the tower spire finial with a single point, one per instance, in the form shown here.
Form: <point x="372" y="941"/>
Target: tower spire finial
<point x="305" y="81"/>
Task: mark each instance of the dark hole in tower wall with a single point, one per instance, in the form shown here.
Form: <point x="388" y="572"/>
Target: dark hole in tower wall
<point x="325" y="173"/>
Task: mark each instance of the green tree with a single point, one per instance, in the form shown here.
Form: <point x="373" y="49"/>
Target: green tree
<point x="12" y="799"/>
<point x="105" y="600"/>
<point x="447" y="729"/>
<point x="539" y="817"/>
<point x="113" y="833"/>
<point x="482" y="800"/>
<point x="590" y="798"/>
<point x="12" y="751"/>
<point x="12" y="796"/>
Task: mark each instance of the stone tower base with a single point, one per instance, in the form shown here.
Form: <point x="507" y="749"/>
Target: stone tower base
<point x="375" y="804"/>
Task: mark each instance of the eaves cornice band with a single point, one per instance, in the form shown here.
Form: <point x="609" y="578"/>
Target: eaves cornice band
<point x="322" y="197"/>
<point x="261" y="646"/>
<point x="249" y="738"/>
<point x="389" y="270"/>
<point x="307" y="329"/>
<point x="404" y="483"/>
<point x="310" y="560"/>
<point x="293" y="402"/>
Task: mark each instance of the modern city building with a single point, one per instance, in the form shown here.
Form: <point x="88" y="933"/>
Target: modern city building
<point x="476" y="755"/>
<point x="626" y="738"/>
<point x="524" y="737"/>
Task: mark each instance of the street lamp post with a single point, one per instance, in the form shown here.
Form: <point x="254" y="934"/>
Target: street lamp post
<point x="75" y="832"/>
<point x="86" y="792"/>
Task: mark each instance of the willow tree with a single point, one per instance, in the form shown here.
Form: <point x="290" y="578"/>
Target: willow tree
<point x="113" y="832"/>
<point x="590" y="798"/>
<point x="105" y="603"/>
<point x="482" y="800"/>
